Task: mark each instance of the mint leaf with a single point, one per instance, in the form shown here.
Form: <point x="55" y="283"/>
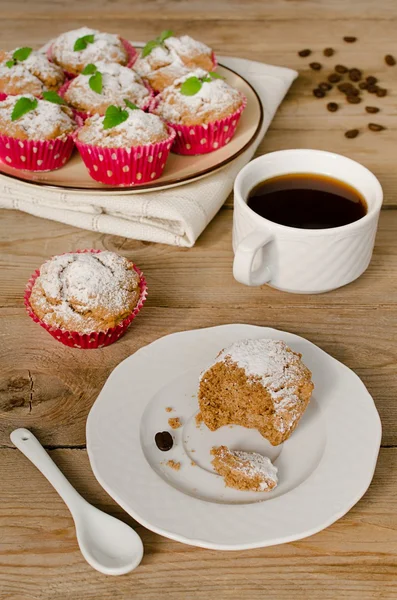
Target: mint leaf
<point x="130" y="104"/>
<point x="149" y="47"/>
<point x="191" y="86"/>
<point x="23" y="106"/>
<point x="95" y="82"/>
<point x="215" y="75"/>
<point x="164" y="35"/>
<point x="10" y="63"/>
<point x="53" y="97"/>
<point x="21" y="54"/>
<point x="82" y="43"/>
<point x="114" y="115"/>
<point x="89" y="69"/>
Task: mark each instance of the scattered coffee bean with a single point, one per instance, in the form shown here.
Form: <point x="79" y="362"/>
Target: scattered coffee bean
<point x="315" y="66"/>
<point x="334" y="78"/>
<point x="353" y="91"/>
<point x="355" y="74"/>
<point x="375" y="127"/>
<point x="363" y="85"/>
<point x="332" y="106"/>
<point x="325" y="86"/>
<point x="350" y="39"/>
<point x="353" y="99"/>
<point x="372" y="88"/>
<point x="371" y="79"/>
<point x="381" y="92"/>
<point x="352" y="133"/>
<point x="164" y="441"/>
<point x="341" y="69"/>
<point x="305" y="52"/>
<point x="318" y="93"/>
<point x="328" y="52"/>
<point x="345" y="87"/>
<point x="372" y="109"/>
<point x="389" y="60"/>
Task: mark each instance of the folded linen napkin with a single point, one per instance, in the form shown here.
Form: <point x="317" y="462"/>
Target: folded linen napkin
<point x="175" y="216"/>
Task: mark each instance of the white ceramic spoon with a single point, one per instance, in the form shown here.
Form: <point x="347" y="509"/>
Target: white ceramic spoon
<point x="108" y="545"/>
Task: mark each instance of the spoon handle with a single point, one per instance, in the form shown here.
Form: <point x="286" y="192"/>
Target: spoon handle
<point x="30" y="446"/>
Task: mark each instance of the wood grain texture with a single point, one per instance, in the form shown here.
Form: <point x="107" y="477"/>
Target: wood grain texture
<point x="50" y="388"/>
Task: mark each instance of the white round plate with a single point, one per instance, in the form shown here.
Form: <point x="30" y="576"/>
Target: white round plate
<point x="324" y="468"/>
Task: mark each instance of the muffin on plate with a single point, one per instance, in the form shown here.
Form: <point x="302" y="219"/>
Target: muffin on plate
<point x="103" y="84"/>
<point x="168" y="58"/>
<point x="75" y="49"/>
<point x="246" y="471"/>
<point x="125" y="147"/>
<point x="25" y="71"/>
<point x="86" y="299"/>
<point x="35" y="135"/>
<point x="203" y="109"/>
<point x="260" y="384"/>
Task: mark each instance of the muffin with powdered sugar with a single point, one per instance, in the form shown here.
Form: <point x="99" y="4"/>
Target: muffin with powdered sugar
<point x="26" y="71"/>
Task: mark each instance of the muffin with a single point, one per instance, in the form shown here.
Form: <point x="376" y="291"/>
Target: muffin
<point x="35" y="135"/>
<point x="203" y="109"/>
<point x="168" y="58"/>
<point x="246" y="471"/>
<point x="25" y="71"/>
<point x="260" y="384"/>
<point x="86" y="299"/>
<point x="75" y="49"/>
<point x="116" y="84"/>
<point x="124" y="147"/>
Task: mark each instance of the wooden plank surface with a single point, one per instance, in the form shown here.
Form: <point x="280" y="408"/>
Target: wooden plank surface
<point x="50" y="388"/>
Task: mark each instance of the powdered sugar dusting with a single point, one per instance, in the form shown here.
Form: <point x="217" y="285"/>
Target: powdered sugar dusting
<point x="186" y="46"/>
<point x="18" y="77"/>
<point x="252" y="465"/>
<point x="38" y="64"/>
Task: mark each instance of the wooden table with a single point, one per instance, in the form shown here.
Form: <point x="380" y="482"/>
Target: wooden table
<point x="50" y="388"/>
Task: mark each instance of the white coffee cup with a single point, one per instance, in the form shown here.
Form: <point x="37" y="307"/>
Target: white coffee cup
<point x="303" y="261"/>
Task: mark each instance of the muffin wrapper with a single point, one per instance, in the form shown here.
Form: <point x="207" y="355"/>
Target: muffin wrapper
<point x="126" y="166"/>
<point x="201" y="139"/>
<point x="96" y="339"/>
<point x="3" y="96"/>
<point x="35" y="155"/>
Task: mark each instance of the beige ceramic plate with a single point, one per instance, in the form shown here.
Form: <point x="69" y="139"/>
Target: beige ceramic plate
<point x="178" y="170"/>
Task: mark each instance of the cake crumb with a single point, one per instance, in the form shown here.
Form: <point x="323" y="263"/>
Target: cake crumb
<point x="198" y="419"/>
<point x="174" y="465"/>
<point x="246" y="471"/>
<point x="168" y="409"/>
<point x="175" y="423"/>
<point x="192" y="463"/>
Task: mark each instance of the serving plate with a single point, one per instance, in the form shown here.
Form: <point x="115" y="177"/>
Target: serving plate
<point x="178" y="170"/>
<point x="324" y="467"/>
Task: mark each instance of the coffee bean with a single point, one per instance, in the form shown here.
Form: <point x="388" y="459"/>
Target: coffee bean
<point x="328" y="52"/>
<point x="372" y="88"/>
<point x="350" y="39"/>
<point x="352" y="133"/>
<point x="332" y="106"/>
<point x="305" y="52"/>
<point x="375" y="127"/>
<point x="363" y="85"/>
<point x="371" y="79"/>
<point x="325" y="86"/>
<point x="318" y="93"/>
<point x="381" y="92"/>
<point x="353" y="99"/>
<point x="341" y="69"/>
<point x="334" y="78"/>
<point x="389" y="60"/>
<point x="355" y="74"/>
<point x="353" y="91"/>
<point x="345" y="87"/>
<point x="372" y="109"/>
<point x="315" y="66"/>
<point x="164" y="441"/>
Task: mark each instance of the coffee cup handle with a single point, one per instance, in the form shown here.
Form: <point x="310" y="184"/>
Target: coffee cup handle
<point x="244" y="258"/>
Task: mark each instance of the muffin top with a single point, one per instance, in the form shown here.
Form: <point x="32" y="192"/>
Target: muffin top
<point x="28" y="118"/>
<point x="32" y="75"/>
<point x="165" y="59"/>
<point x="116" y="84"/>
<point x="86" y="291"/>
<point x="137" y="128"/>
<point x="75" y="49"/>
<point x="198" y="98"/>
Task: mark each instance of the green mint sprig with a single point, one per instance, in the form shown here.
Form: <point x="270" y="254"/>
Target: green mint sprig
<point x="20" y="55"/>
<point x="53" y="97"/>
<point x="82" y="42"/>
<point x="159" y="41"/>
<point x="130" y="104"/>
<point x="95" y="82"/>
<point x="89" y="69"/>
<point x="192" y="85"/>
<point x="23" y="106"/>
<point x="114" y="115"/>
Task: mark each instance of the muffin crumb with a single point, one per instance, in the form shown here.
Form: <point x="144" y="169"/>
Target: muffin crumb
<point x="175" y="423"/>
<point x="173" y="465"/>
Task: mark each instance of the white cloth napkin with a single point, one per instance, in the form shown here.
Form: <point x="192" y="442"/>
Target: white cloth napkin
<point x="173" y="216"/>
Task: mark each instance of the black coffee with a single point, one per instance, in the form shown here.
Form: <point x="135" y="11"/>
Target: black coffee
<point x="307" y="201"/>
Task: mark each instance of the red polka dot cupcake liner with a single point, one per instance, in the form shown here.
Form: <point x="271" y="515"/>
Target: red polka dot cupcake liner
<point x="96" y="339"/>
<point x="126" y="166"/>
<point x="36" y="155"/>
<point x="201" y="139"/>
<point x="3" y="96"/>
